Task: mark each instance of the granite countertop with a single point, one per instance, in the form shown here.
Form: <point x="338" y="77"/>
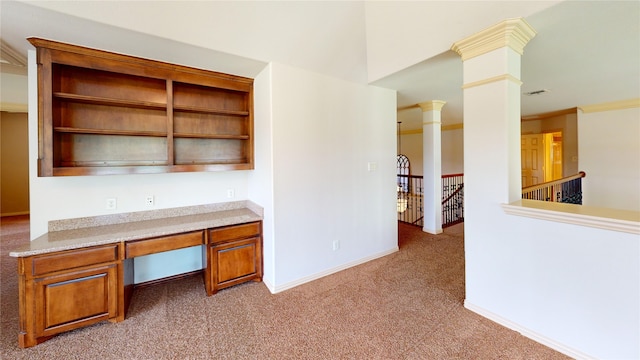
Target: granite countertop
<point x="85" y="232"/>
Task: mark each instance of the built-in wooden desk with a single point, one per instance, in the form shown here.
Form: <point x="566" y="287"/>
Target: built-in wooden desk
<point x="81" y="271"/>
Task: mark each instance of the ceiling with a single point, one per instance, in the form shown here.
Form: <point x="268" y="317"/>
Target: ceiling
<point x="584" y="52"/>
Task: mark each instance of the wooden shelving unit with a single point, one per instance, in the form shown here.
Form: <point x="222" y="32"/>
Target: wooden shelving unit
<point x="105" y="113"/>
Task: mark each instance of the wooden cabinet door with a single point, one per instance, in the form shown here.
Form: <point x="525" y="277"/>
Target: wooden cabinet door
<point x="75" y="299"/>
<point x="235" y="262"/>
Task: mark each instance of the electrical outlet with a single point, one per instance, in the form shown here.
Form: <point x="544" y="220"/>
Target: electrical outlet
<point x="111" y="204"/>
<point x="149" y="200"/>
<point x="231" y="193"/>
<point x="336" y="245"/>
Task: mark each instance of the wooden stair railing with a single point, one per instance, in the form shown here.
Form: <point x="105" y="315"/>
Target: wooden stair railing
<point x="565" y="190"/>
<point x="410" y="199"/>
<point x="453" y="208"/>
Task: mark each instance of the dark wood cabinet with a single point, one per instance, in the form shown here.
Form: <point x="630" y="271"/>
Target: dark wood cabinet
<point x="106" y="113"/>
<point x="234" y="255"/>
<point x="67" y="290"/>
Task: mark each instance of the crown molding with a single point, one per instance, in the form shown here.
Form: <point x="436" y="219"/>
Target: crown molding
<point x="613" y="105"/>
<point x="453" y="127"/>
<point x="13" y="107"/>
<point x="514" y="33"/>
<point x="12" y="61"/>
<point x="550" y="114"/>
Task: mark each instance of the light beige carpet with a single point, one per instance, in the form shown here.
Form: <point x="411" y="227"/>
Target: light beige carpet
<point x="407" y="305"/>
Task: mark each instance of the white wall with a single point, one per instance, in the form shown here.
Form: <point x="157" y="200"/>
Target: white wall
<point x="609" y="148"/>
<point x="13" y="92"/>
<point x="261" y="179"/>
<point x="412" y="148"/>
<point x="571" y="287"/>
<point x="568" y="125"/>
<point x="574" y="287"/>
<point x="324" y="134"/>
<point x="452" y="153"/>
<point x="315" y="137"/>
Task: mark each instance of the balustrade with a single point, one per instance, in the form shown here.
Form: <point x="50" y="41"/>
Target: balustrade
<point x="565" y="190"/>
<point x="410" y="199"/>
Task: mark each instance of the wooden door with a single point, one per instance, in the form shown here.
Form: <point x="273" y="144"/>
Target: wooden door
<point x="532" y="151"/>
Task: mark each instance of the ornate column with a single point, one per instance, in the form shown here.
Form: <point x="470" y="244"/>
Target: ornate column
<point x="491" y="77"/>
<point x="491" y="90"/>
<point x="492" y="173"/>
<point x="432" y="165"/>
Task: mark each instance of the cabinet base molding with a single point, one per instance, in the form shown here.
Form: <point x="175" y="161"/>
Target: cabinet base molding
<point x="169" y="279"/>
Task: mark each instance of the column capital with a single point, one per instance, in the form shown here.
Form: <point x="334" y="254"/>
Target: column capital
<point x="514" y="33"/>
<point x="432" y="105"/>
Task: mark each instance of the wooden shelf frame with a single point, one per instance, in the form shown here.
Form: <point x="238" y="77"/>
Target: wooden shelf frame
<point x="109" y="102"/>
<point x="215" y="110"/>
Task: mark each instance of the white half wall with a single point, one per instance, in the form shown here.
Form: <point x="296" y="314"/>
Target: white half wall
<point x="333" y="166"/>
<point x="609" y="148"/>
<point x="571" y="287"/>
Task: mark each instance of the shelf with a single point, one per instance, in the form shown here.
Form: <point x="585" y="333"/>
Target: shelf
<point x="104" y="113"/>
<point x="70" y="130"/>
<point x="196" y="109"/>
<point x="111" y="170"/>
<point x="109" y="101"/>
<point x="103" y="163"/>
<point x="210" y="136"/>
<point x="211" y="162"/>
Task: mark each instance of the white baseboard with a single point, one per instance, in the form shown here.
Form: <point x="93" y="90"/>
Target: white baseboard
<point x="268" y="284"/>
<point x="306" y="279"/>
<point x="573" y="353"/>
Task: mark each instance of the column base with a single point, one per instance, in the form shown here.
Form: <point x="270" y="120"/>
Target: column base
<point x="432" y="231"/>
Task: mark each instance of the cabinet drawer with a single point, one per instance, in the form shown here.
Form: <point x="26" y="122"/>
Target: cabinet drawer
<point x="70" y="259"/>
<point x="234" y="232"/>
<point x="165" y="243"/>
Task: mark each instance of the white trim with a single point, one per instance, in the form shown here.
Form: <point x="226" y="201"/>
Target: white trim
<point x="514" y="33"/>
<point x="316" y="276"/>
<point x="432" y="105"/>
<point x="573" y="353"/>
<point x="609" y="106"/>
<point x="601" y="218"/>
<point x="268" y="284"/>
<point x="14" y="107"/>
<point x="503" y="77"/>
